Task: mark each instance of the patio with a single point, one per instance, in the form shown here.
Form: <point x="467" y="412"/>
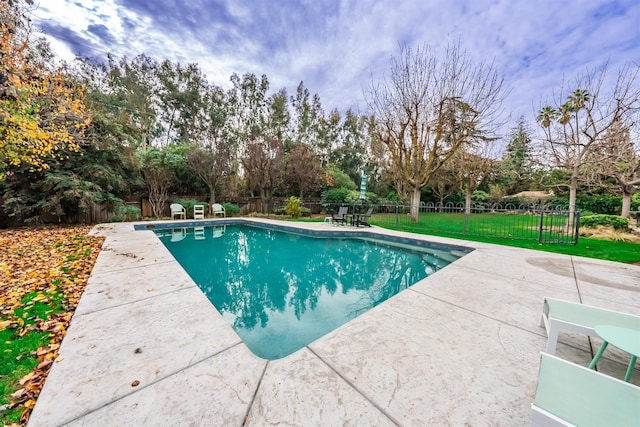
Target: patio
<point x="461" y="347"/>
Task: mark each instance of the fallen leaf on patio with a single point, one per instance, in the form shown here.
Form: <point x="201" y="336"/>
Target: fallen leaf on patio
<point x="135" y="383"/>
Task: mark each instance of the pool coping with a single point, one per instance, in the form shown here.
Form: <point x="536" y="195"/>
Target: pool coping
<point x="146" y="347"/>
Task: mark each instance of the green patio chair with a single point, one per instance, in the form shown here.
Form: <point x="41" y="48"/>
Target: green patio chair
<point x="572" y="395"/>
<point x="559" y="314"/>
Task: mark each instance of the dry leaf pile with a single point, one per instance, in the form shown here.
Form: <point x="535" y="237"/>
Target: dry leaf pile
<point x="47" y="265"/>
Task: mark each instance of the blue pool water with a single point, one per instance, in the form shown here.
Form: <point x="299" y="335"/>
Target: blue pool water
<point x="280" y="291"/>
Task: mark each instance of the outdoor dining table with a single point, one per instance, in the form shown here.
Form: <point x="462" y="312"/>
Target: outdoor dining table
<point x="354" y="218"/>
<point x="627" y="340"/>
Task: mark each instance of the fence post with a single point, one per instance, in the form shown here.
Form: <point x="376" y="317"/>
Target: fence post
<point x="397" y="219"/>
<point x="540" y="225"/>
<point x="576" y="223"/>
<point x="466" y="218"/>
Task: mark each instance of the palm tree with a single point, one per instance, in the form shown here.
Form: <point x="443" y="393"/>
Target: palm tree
<point x="579" y="98"/>
<point x="565" y="112"/>
<point x="546" y="116"/>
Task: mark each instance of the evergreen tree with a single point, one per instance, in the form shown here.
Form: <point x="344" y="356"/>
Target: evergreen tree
<point x="516" y="168"/>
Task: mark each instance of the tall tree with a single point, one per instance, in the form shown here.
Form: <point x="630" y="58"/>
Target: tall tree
<point x="304" y="173"/>
<point x="182" y="94"/>
<point x="263" y="165"/>
<point x="210" y="155"/>
<point x="430" y="107"/>
<point x="444" y="182"/>
<point x="158" y="176"/>
<point x="131" y="91"/>
<point x="307" y="121"/>
<point x="471" y="166"/>
<point x="618" y="157"/>
<point x="278" y="118"/>
<point x="576" y="125"/>
<point x="41" y="112"/>
<point x="352" y="142"/>
<point x="248" y="111"/>
<point x="516" y="166"/>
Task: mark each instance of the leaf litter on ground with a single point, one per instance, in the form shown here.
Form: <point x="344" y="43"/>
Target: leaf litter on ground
<point x="44" y="273"/>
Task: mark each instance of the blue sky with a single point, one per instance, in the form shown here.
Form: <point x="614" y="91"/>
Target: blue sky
<point x="337" y="47"/>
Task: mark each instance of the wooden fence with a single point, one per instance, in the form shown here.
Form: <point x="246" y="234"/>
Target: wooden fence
<point x="102" y="213"/>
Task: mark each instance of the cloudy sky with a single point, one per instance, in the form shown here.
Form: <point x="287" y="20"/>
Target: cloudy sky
<point x="336" y="47"/>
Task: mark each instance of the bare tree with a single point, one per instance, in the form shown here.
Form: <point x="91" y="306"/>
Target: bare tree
<point x="618" y="157"/>
<point x="575" y="126"/>
<point x="471" y="166"/>
<point x="158" y="177"/>
<point x="443" y="183"/>
<point x="263" y="164"/>
<point x="428" y="108"/>
<point x="303" y="170"/>
<point x="158" y="182"/>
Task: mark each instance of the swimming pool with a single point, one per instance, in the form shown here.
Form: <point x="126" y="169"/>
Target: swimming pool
<point x="281" y="290"/>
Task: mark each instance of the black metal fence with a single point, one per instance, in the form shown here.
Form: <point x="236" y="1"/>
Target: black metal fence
<point x="541" y="223"/>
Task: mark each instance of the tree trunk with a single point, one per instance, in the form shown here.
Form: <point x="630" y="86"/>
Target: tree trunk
<point x="212" y="197"/>
<point x="626" y="202"/>
<point x="467" y="200"/>
<point x="573" y="190"/>
<point x="415" y="204"/>
<point x="263" y="200"/>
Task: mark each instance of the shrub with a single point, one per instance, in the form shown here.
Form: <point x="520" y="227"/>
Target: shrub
<point x="280" y="210"/>
<point x="617" y="222"/>
<point x="392" y="197"/>
<point x="558" y="202"/>
<point x="293" y="207"/>
<point x="635" y="202"/>
<point x="126" y="214"/>
<point x="604" y="204"/>
<point x="231" y="209"/>
<point x="339" y="179"/>
<point x="306" y="212"/>
<point x="334" y="198"/>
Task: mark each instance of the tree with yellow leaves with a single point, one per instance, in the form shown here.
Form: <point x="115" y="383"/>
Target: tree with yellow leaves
<point x="41" y="112"/>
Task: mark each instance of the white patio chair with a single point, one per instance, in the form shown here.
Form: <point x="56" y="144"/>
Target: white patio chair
<point x="198" y="212"/>
<point x="177" y="210"/>
<point x="218" y="209"/>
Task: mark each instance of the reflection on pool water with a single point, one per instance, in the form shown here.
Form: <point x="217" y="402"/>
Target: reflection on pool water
<point x="280" y="291"/>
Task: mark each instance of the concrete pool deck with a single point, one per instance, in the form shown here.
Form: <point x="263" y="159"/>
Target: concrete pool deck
<point x="461" y="347"/>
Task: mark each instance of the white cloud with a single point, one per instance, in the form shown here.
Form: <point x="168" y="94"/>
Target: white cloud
<point x="335" y="46"/>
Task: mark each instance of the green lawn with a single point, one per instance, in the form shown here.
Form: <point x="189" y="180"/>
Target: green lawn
<point x="512" y="230"/>
<point x="592" y="248"/>
<point x="509" y="230"/>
